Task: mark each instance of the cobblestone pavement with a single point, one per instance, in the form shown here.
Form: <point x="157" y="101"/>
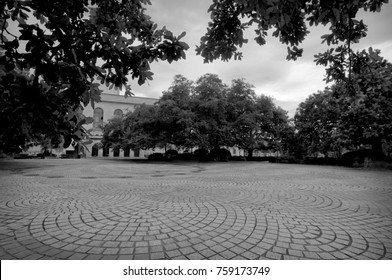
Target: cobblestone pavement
<point x="117" y="209"/>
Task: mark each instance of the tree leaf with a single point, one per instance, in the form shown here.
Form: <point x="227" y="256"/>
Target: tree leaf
<point x="182" y="35"/>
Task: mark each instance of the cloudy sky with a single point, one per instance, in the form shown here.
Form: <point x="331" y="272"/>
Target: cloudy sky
<point x="288" y="82"/>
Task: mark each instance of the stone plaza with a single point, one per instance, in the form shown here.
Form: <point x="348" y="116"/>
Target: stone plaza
<point x="122" y="209"/>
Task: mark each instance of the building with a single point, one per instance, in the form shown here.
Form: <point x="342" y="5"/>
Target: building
<point x="110" y="106"/>
<point x="113" y="105"/>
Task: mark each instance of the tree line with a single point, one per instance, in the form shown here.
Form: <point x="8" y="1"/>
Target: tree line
<point x="209" y="115"/>
<point x="206" y="114"/>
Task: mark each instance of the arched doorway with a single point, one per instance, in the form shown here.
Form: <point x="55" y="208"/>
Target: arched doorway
<point x="94" y="150"/>
<point x="116" y="152"/>
<point x="127" y="152"/>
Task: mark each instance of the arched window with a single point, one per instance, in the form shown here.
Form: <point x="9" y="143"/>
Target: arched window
<point x="118" y="113"/>
<point x="98" y="118"/>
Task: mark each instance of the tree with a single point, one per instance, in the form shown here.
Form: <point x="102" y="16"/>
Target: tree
<point x="209" y="104"/>
<point x="367" y="115"/>
<point x="113" y="134"/>
<point x="206" y="114"/>
<point x="317" y="124"/>
<point x="242" y="116"/>
<point x="289" y="21"/>
<point x="255" y="122"/>
<point x="281" y="131"/>
<point x="273" y="122"/>
<point x="175" y="115"/>
<point x="62" y="48"/>
<point x="141" y="128"/>
<point x="336" y="118"/>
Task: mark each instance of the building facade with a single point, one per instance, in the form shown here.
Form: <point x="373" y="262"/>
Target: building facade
<point x="110" y="106"/>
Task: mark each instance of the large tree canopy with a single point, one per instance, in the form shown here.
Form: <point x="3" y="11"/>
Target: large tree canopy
<point x="206" y="114"/>
<point x="255" y="122"/>
<point x="317" y="124"/>
<point x="288" y="20"/>
<point x="51" y="62"/>
<point x="334" y="118"/>
<point x="210" y="126"/>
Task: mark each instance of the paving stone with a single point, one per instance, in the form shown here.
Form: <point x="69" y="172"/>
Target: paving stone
<point x="157" y="256"/>
<point x="296" y="253"/>
<point x="83" y="249"/>
<point x="64" y="255"/>
<point x="311" y="255"/>
<point x="126" y="251"/>
<point x="249" y="255"/>
<point x="339" y="255"/>
<point x="111" y="251"/>
<point x="313" y="212"/>
<point x="77" y="256"/>
<point x="96" y="250"/>
<point x="273" y="256"/>
<point x="142" y="257"/>
<point x="279" y="250"/>
<point x="297" y="247"/>
<point x="34" y="256"/>
<point x="172" y="254"/>
<point x="199" y="247"/>
<point x="326" y="256"/>
<point x="196" y="256"/>
<point x="288" y="257"/>
<point x="187" y="250"/>
<point x="207" y="253"/>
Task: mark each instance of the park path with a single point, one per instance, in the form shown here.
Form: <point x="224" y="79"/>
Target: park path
<point x="117" y="209"/>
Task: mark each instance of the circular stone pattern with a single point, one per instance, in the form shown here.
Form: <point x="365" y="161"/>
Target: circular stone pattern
<point x="101" y="209"/>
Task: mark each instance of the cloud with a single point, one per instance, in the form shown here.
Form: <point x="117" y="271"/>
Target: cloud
<point x="266" y="67"/>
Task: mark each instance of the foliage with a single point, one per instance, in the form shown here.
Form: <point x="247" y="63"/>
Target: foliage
<point x="61" y="49"/>
<point x="175" y="114"/>
<point x="209" y="115"/>
<point x="113" y="133"/>
<point x="255" y="120"/>
<point x="336" y="118"/>
<point x="367" y="116"/>
<point x="289" y="21"/>
<point x="356" y="111"/>
<point x="316" y="121"/>
<point x="141" y="128"/>
<point x="209" y="103"/>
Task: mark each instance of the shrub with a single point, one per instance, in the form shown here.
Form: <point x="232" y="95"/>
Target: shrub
<point x="186" y="156"/>
<point x="220" y="154"/>
<point x="322" y="161"/>
<point x="238" y="158"/>
<point x="201" y="154"/>
<point x="269" y="159"/>
<point x="156" y="157"/>
<point x="380" y="165"/>
<point x="356" y="158"/>
<point x="171" y="154"/>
